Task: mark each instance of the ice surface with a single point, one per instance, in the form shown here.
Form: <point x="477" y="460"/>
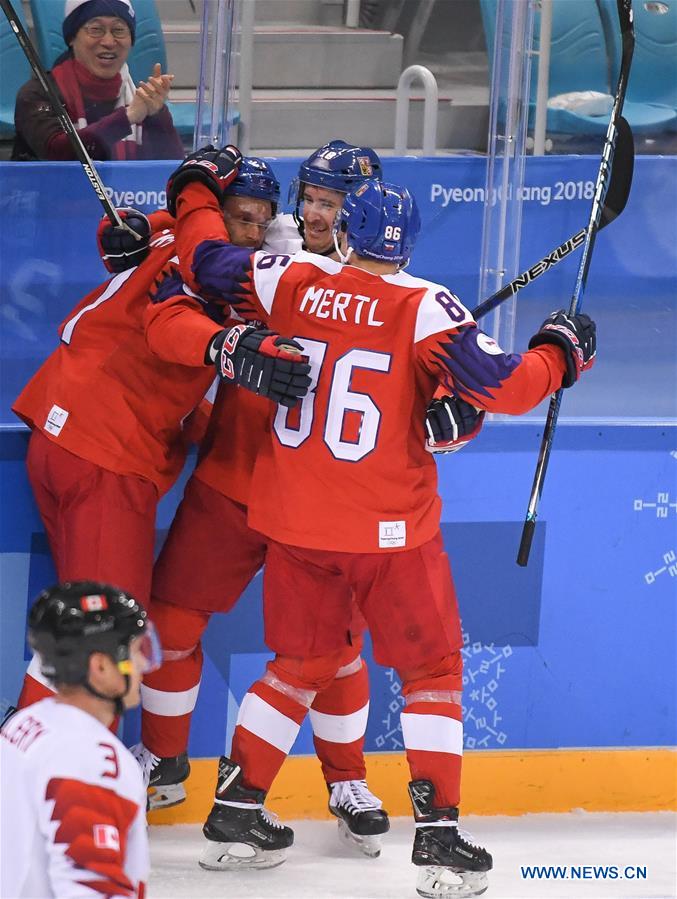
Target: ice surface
<point x="319" y="866"/>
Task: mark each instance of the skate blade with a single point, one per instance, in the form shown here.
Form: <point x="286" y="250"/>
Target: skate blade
<point x="370" y="846"/>
<point x="439" y="883"/>
<point x="166" y="796"/>
<point x="238" y="856"/>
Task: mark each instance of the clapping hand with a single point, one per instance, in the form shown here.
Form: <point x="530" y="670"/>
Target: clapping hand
<point x="155" y="91"/>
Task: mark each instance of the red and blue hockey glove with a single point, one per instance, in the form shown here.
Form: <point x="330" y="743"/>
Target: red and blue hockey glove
<point x="261" y="361"/>
<point x="119" y="249"/>
<point x="450" y="424"/>
<point x="216" y="169"/>
<point x="576" y="335"/>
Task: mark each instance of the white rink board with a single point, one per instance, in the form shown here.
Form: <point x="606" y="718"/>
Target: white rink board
<point x="319" y="866"/>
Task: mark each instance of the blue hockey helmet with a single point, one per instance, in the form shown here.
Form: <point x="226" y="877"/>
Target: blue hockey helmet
<point x="381" y="221"/>
<point x="335" y="166"/>
<point x="340" y="166"/>
<point x="256" y="179"/>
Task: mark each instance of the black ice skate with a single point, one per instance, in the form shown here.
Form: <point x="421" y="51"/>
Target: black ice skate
<point x="451" y="866"/>
<point x="361" y="819"/>
<point x="240" y="832"/>
<point x="163" y="777"/>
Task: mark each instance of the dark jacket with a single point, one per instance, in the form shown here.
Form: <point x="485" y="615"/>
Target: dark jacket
<point x="39" y="134"/>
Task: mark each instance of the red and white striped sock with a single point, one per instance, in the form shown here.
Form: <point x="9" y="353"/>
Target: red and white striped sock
<point x="168" y="698"/>
<point x="267" y="725"/>
<point x="432" y="728"/>
<point x="338" y="717"/>
<point x="272" y="712"/>
<point x="169" y="695"/>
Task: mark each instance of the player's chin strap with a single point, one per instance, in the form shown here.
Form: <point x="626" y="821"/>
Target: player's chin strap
<point x="124" y="666"/>
<point x="117" y="701"/>
<point x="344" y="257"/>
<point x="328" y="252"/>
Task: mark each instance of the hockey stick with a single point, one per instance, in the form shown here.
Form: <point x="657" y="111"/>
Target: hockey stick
<point x="615" y="126"/>
<point x="614" y="203"/>
<point x="64" y="118"/>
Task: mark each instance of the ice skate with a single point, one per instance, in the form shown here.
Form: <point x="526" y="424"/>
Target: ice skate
<point x="240" y="832"/>
<point x="361" y="820"/>
<point x="163" y="777"/>
<point x="451" y="866"/>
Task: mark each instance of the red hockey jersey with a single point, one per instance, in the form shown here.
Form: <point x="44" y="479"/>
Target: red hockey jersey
<point x="120" y="383"/>
<point x="348" y="470"/>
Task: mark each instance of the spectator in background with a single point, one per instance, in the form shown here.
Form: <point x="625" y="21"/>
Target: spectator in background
<point x="114" y="118"/>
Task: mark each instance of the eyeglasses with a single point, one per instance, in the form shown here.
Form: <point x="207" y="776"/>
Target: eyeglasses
<point x="262" y="226"/>
<point x="118" y="32"/>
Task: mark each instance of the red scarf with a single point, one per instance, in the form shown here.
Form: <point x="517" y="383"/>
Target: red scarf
<point x="78" y="84"/>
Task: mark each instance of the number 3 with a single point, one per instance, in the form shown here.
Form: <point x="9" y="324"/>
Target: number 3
<point x="110" y="756"/>
<point x="341" y="400"/>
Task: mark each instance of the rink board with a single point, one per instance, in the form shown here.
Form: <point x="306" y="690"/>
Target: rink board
<point x="578" y="649"/>
<point x="514" y="782"/>
<point x="575" y="651"/>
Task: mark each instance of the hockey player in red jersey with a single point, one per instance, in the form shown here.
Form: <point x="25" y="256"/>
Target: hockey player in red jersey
<point x="346" y="495"/>
<point x="107" y="409"/>
<point x="73" y="800"/>
<point x="219" y="491"/>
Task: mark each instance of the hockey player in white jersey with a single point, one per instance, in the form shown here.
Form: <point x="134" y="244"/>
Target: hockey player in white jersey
<point x="73" y="799"/>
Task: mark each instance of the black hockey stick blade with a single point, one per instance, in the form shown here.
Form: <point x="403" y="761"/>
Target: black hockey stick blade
<point x="621" y="174"/>
<point x="61" y="113"/>
<point x="620" y="182"/>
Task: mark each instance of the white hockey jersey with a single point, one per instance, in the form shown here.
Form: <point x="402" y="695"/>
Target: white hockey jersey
<point x="72" y="808"/>
<point x="282" y="236"/>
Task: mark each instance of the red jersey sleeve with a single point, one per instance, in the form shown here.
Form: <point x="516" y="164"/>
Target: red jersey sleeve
<point x="470" y="364"/>
<point x="177" y="329"/>
<point x="201" y="236"/>
<point x="160" y="221"/>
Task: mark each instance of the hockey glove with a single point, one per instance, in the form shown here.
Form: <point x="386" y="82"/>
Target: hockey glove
<point x="216" y="169"/>
<point x="119" y="249"/>
<point x="450" y="424"/>
<point x="261" y="361"/>
<point x="576" y="335"/>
